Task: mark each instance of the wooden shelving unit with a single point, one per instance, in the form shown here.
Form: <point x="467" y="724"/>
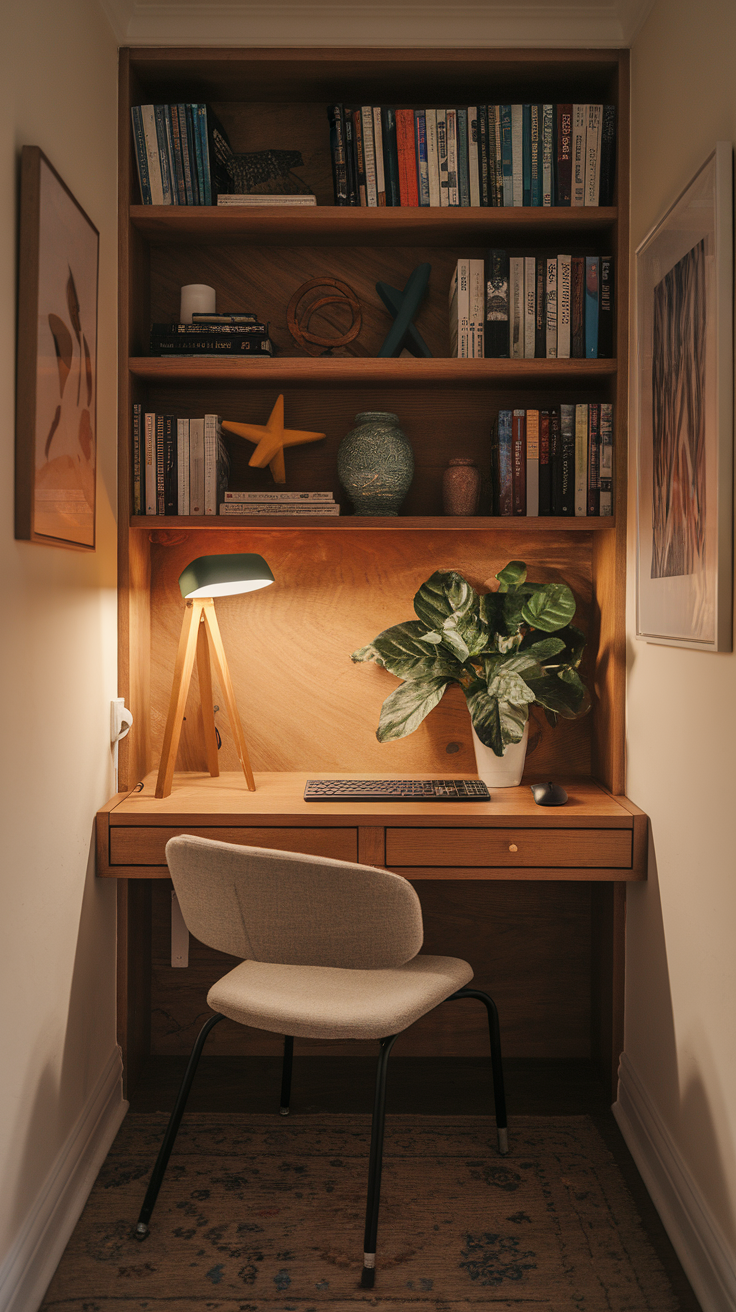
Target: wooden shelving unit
<point x="296" y="371"/>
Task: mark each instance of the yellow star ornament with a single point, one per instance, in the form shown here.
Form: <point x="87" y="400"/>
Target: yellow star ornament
<point x="270" y="439"/>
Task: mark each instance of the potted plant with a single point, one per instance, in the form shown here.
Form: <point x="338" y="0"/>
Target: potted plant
<point x="509" y="649"/>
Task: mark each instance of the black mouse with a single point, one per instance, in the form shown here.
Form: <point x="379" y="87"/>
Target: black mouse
<point x="549" y="794"/>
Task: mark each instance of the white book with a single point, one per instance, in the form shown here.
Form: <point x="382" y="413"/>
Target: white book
<point x="453" y="192"/>
<point x="369" y="157"/>
<point x="532" y="462"/>
<point x="473" y="155"/>
<point x="551" y="307"/>
<point x="581" y="459"/>
<point x="433" y="158"/>
<point x="564" y="277"/>
<point x="476" y="313"/>
<point x="265" y="200"/>
<point x="378" y="150"/>
<point x="530" y="305"/>
<point x="149" y="455"/>
<point x="517" y="154"/>
<point x="548" y="137"/>
<point x="593" y="154"/>
<point x="278" y="508"/>
<point x="579" y="116"/>
<point x="460" y="310"/>
<point x="216" y="464"/>
<point x="516" y="307"/>
<point x="196" y="466"/>
<point x="148" y="116"/>
<point x="442" y="155"/>
<point x="182" y="466"/>
<point x="278" y="496"/>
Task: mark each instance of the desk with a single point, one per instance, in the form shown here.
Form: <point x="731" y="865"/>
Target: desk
<point x="595" y="839"/>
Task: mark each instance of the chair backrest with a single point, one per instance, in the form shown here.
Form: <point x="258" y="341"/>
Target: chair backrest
<point x="296" y="910"/>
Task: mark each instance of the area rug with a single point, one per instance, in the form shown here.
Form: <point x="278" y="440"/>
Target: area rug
<point x="265" y="1214"/>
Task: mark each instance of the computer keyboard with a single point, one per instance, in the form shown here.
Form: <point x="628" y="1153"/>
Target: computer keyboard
<point x="396" y="790"/>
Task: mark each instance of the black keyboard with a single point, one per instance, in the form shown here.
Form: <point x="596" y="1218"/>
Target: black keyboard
<point x="396" y="790"/>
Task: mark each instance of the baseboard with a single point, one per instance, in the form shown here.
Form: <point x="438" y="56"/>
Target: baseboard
<point x="696" y="1236"/>
<point x="26" y="1271"/>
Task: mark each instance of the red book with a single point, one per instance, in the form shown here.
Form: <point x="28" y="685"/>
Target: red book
<point x="518" y="462"/>
<point x="406" y="151"/>
<point x="564" y="154"/>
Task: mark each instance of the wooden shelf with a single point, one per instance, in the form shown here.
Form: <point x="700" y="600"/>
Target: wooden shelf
<point x="298" y="371"/>
<point x="332" y="225"/>
<point x="404" y="523"/>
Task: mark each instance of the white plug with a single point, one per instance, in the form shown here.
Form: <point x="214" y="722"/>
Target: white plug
<point x="121" y="720"/>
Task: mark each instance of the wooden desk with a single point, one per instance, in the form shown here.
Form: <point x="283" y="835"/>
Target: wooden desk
<point x="595" y="838"/>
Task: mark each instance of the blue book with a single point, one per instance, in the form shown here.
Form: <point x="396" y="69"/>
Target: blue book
<point x="159" y="113"/>
<point x="141" y="154"/>
<point x="463" y="168"/>
<point x="526" y="157"/>
<point x="507" y="159"/>
<point x="537" y="144"/>
<point x="420" y="140"/>
<point x="502" y="493"/>
<point x="592" y="282"/>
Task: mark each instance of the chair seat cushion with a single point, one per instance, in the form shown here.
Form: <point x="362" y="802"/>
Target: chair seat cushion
<point x="328" y="1002"/>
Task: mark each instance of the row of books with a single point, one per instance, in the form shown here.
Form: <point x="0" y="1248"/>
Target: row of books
<point x="553" y="462"/>
<point x="180" y="466"/>
<point x="213" y="334"/>
<point x="279" y="503"/>
<point x="181" y="152"/>
<point x="540" y="306"/>
<point x="481" y="155"/>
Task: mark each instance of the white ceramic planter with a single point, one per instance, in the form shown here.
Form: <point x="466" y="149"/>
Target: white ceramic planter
<point x="501" y="771"/>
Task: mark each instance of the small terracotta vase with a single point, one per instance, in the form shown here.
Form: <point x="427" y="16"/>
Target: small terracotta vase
<point x="461" y="487"/>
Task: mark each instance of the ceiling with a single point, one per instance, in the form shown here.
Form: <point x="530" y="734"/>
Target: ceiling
<point x="442" y="23"/>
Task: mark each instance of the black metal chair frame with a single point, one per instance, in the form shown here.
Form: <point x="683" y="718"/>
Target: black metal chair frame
<point x="377" y="1127"/>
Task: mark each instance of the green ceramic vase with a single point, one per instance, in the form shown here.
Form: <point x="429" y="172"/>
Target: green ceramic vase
<point x="375" y="464"/>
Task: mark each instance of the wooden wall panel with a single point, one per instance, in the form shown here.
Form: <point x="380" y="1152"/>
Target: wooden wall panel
<point x="530" y="947"/>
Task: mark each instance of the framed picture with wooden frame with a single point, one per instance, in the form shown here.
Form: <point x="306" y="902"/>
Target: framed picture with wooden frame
<point x="684" y="396"/>
<point x="56" y="379"/>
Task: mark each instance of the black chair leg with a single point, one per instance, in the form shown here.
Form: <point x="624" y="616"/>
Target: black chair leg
<point x="286" y="1076"/>
<point x="375" y="1166"/>
<point x="164" y="1153"/>
<point x="499" y="1092"/>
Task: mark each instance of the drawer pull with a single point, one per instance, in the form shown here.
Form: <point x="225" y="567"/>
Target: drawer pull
<point x="513" y="847"/>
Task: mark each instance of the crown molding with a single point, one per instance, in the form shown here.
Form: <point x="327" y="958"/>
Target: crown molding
<point x="589" y="23"/>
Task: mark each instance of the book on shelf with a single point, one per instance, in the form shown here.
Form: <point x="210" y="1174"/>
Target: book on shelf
<point x="279" y="508"/>
<point x="245" y="497"/>
<point x="592" y="263"/>
<point x="216" y="464"/>
<point x="218" y="338"/>
<point x="554" y="307"/>
<point x="550" y="304"/>
<point x="459" y="299"/>
<point x="236" y="316"/>
<point x="554" y="462"/>
<point x="476" y="309"/>
<point x="182" y="459"/>
<point x="577" y="186"/>
<point x="181" y="154"/>
<point x="530" y="306"/>
<point x="608" y="155"/>
<point x="420" y="146"/>
<point x="407" y="157"/>
<point x="196" y="466"/>
<point x="369" y="155"/>
<point x="605" y="308"/>
<point x="336" y="117"/>
<point x="211" y="326"/>
<point x="138" y="458"/>
<point x="433" y="158"/>
<point x="184" y="464"/>
<point x="516" y="307"/>
<point x="497" y="339"/>
<point x="258" y="200"/>
<point x="442" y="156"/>
<point x="473" y="171"/>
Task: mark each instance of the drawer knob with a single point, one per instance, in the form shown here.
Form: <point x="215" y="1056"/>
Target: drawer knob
<point x="513" y="847"/>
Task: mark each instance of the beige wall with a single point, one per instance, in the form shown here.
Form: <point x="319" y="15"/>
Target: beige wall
<point x="58" y="68"/>
<point x="681" y="934"/>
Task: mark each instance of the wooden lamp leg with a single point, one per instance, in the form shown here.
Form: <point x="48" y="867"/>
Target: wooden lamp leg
<point x="206" y="699"/>
<point x="179" y="690"/>
<point x="223" y="675"/>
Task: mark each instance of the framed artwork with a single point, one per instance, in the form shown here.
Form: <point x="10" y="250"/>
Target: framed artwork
<point x="56" y="389"/>
<point x="684" y="392"/>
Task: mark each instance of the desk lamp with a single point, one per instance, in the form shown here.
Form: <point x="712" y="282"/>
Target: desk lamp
<point x="201" y="581"/>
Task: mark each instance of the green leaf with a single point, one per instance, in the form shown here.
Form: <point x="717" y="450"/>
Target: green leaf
<point x="485" y="716"/>
<point x="511" y="688"/>
<point x="445" y="593"/>
<point x="550" y="609"/>
<point x="404" y="650"/>
<point x="555" y="694"/>
<point x="466" y="635"/>
<point x="407" y="706"/>
<point x="499" y="711"/>
<point x="523" y="663"/>
<point x="511" y="576"/>
<point x="541" y="651"/>
<point x="574" y="642"/>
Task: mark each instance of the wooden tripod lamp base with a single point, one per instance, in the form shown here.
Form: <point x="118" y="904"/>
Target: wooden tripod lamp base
<point x="205" y="578"/>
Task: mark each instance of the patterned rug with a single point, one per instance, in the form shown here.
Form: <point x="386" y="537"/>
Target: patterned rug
<point x="264" y="1214"/>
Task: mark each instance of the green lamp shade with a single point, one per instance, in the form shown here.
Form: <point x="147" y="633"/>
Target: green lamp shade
<point x="224" y="576"/>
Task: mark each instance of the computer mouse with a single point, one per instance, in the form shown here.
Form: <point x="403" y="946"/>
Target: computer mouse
<point x="549" y="794"/>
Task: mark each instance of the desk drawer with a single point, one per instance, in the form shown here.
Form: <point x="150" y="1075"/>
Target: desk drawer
<point x="604" y="848"/>
<point x="145" y="846"/>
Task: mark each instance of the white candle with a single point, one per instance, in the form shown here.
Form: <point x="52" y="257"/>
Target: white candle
<point x="197" y="298"/>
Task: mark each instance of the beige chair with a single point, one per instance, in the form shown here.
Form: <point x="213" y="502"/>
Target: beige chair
<point x="330" y="951"/>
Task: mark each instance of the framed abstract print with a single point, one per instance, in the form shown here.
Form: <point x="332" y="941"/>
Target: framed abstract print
<point x="56" y="390"/>
<point x="684" y="395"/>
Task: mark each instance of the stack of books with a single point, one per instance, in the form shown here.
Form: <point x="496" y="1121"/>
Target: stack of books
<point x="553" y="462"/>
<point x="180" y="466"/>
<point x="240" y="333"/>
<point x="181" y="152"/>
<point x="257" y="199"/>
<point x="279" y="503"/>
<point x="549" y="307"/>
<point x="481" y="155"/>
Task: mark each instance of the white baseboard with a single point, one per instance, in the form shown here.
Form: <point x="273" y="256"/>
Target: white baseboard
<point x="28" y="1267"/>
<point x="707" y="1259"/>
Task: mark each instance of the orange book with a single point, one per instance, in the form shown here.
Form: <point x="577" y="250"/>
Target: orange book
<point x="406" y="151"/>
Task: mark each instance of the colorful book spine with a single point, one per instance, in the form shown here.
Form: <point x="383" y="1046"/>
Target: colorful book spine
<point x="420" y="146"/>
<point x="485" y="189"/>
<point x="407" y="157"/>
<point x="577" y="194"/>
<point x="564" y="275"/>
<point x="170" y="466"/>
<point x="336" y="117"/>
<point x="516" y="307"/>
<point x="548" y="158"/>
<point x="196" y="466"/>
<point x="606" y="461"/>
<point x="163" y="154"/>
<point x="160" y="485"/>
<point x="507" y="154"/>
<point x="592" y="153"/>
<point x="141" y="154"/>
<point x="606" y="350"/>
<point x="463" y="172"/>
<point x="369" y="156"/>
<point x="577" y="308"/>
<point x="378" y="152"/>
<point x="473" y="158"/>
<point x="453" y="191"/>
<point x="357" y="119"/>
<point x="532" y="463"/>
<point x="581" y="460"/>
<point x="391" y="158"/>
<point x="433" y="159"/>
<point x="536" y="155"/>
<point x="594" y="458"/>
<point x="526" y="155"/>
<point x="149" y="487"/>
<point x="545" y="465"/>
<point x="503" y="497"/>
<point x="567" y="460"/>
<point x="564" y="155"/>
<point x="608" y="155"/>
<point x="182" y="465"/>
<point x="137" y="459"/>
<point x="496" y="338"/>
<point x="530" y="306"/>
<point x="592" y="263"/>
<point x="540" y="317"/>
<point x="495" y="155"/>
<point x="551" y="308"/>
<point x="517" y="154"/>
<point x="518" y="462"/>
<point x="442" y="156"/>
<point x="257" y="497"/>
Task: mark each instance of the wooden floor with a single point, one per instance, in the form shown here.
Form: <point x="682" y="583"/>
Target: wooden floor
<point x="422" y="1085"/>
